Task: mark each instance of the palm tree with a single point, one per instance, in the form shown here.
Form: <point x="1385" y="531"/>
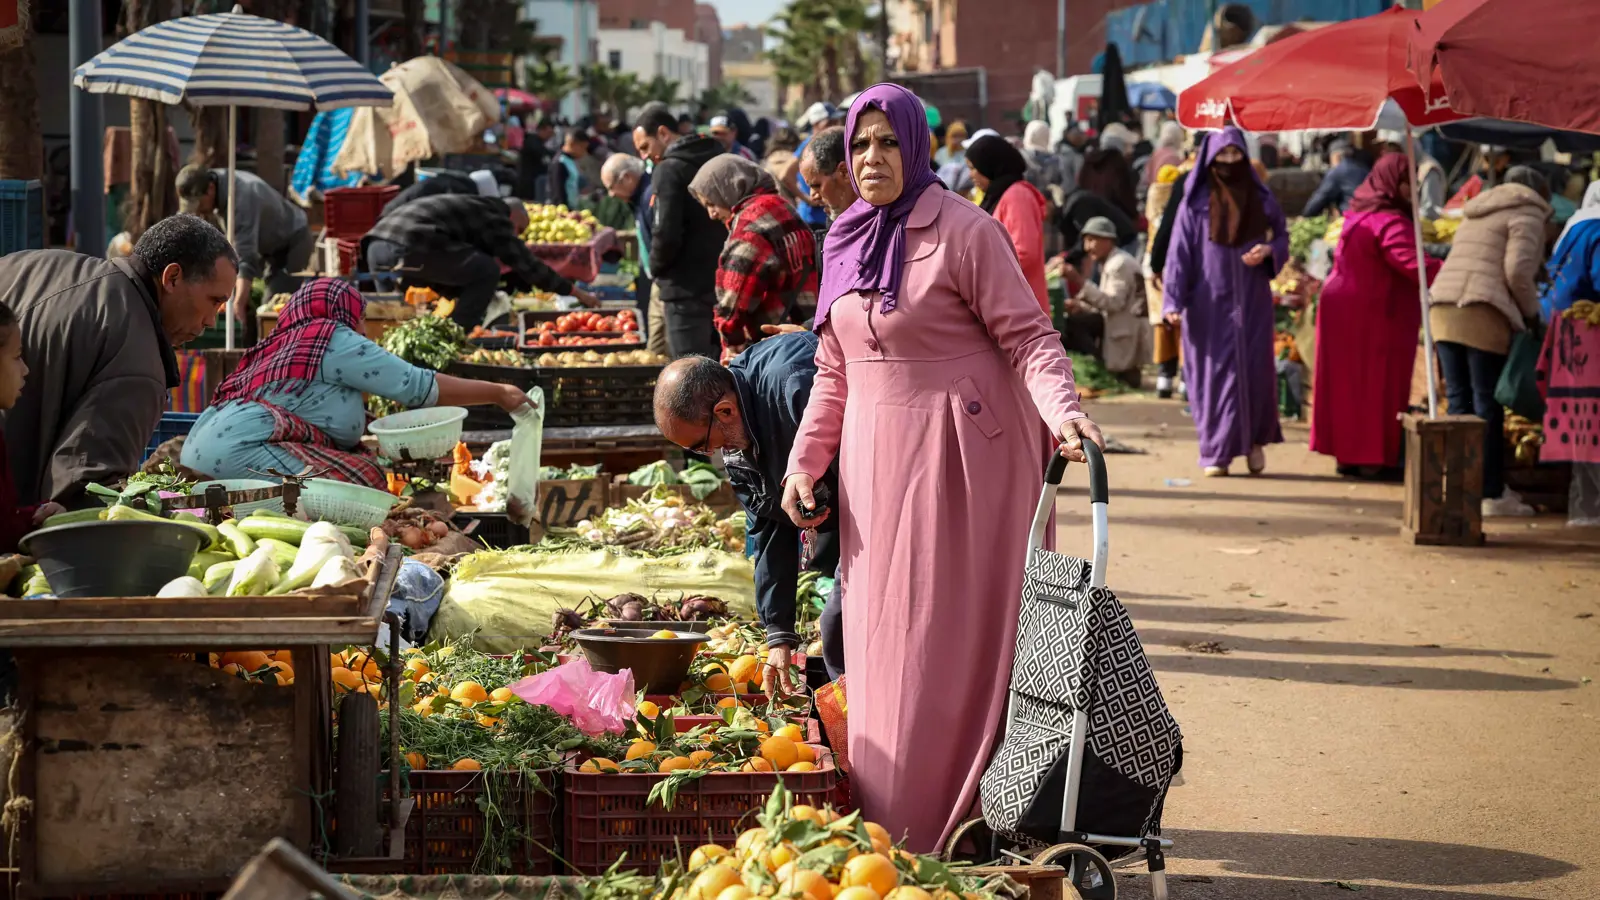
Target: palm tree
<point x="662" y="89"/>
<point x="612" y="91"/>
<point x="819" y="47"/>
<point x="21" y="144"/>
<point x="727" y="94"/>
<point x="551" y="82"/>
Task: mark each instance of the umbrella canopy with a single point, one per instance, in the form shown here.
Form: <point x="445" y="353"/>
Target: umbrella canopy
<point x="1151" y="96"/>
<point x="437" y="109"/>
<point x="231" y="59"/>
<point x="1333" y="78"/>
<point x="518" y="100"/>
<point x="1524" y="60"/>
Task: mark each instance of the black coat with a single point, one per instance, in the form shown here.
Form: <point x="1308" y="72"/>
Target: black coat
<point x="685" y="242"/>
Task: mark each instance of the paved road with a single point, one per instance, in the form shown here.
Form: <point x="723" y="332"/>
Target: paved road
<point x="1413" y="723"/>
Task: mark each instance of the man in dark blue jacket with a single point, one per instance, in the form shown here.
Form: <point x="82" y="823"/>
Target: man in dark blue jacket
<point x="1339" y="185"/>
<point x="751" y="411"/>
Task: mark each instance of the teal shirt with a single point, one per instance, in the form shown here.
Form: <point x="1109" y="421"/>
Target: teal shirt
<point x="231" y="439"/>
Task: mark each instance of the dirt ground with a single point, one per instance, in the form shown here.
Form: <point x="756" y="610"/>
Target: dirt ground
<point x="1373" y="719"/>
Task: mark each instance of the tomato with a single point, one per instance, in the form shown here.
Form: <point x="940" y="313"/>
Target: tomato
<point x="629" y="325"/>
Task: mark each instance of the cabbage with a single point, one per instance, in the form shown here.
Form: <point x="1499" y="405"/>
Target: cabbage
<point x="337" y="571"/>
<point x="254" y="576"/>
<point x="322" y="542"/>
<point x="183" y="587"/>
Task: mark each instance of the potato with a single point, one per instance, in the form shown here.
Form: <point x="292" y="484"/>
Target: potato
<point x="548" y="359"/>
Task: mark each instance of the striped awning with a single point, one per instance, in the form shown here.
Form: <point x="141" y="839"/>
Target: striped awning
<point x="232" y="59"/>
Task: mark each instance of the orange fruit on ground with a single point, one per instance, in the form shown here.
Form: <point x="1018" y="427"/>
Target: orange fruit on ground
<point x="597" y="765"/>
<point x="640" y="749"/>
<point x="706" y="853"/>
<point x="856" y="892"/>
<point x="423" y="708"/>
<point x="711" y="882"/>
<point x="503" y="695"/>
<point x="467" y="765"/>
<point x="347" y="680"/>
<point x="791" y="731"/>
<point x="488" y="721"/>
<point x="469" y="693"/>
<point x="757" y="765"/>
<point x="416" y="760"/>
<point x="806" y="752"/>
<point x="416" y="668"/>
<point x="802" y="767"/>
<point x="249" y="660"/>
<point x="648" y="709"/>
<point x="747" y="669"/>
<point x="780" y="752"/>
<point x="718" y="682"/>
<point x="737" y="892"/>
<point x="361" y="661"/>
<point x="871" y="870"/>
<point x="729" y="703"/>
<point x="699" y="758"/>
<point x="908" y="892"/>
<point x="807" y="882"/>
<point x="675" y="764"/>
<point x="881" y="842"/>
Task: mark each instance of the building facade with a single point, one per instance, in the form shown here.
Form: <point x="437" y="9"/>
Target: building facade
<point x="573" y="28"/>
<point x="708" y="31"/>
<point x="756" y="77"/>
<point x="658" y="50"/>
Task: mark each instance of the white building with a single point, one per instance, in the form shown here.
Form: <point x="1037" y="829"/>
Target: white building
<point x="658" y="50"/>
<point x="576" y="24"/>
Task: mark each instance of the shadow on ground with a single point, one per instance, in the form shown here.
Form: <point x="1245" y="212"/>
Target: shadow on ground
<point x="1183" y="639"/>
<point x="1411" y="677"/>
<point x="1216" y="615"/>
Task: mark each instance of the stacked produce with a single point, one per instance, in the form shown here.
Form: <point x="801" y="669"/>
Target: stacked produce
<point x="663" y="522"/>
<point x="482" y="357"/>
<point x="426" y="341"/>
<point x="1524" y="437"/>
<point x="739" y="743"/>
<point x="1587" y="310"/>
<point x="558" y="225"/>
<point x="702" y="479"/>
<point x="589" y="321"/>
<point x="591" y="358"/>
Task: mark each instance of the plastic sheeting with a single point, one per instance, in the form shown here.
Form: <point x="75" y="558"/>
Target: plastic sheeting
<point x="522" y="478"/>
<point x="508" y="598"/>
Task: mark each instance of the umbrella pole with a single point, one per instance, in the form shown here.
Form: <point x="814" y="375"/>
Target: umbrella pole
<point x="1422" y="276"/>
<point x="233" y="165"/>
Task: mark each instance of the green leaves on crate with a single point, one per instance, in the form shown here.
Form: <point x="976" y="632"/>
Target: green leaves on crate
<point x="426" y="341"/>
<point x="666" y="790"/>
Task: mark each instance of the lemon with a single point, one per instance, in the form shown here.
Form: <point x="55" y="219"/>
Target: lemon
<point x="663" y="634"/>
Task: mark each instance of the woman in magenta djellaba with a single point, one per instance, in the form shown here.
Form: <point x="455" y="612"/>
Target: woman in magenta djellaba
<point x="1228" y="242"/>
<point x="942" y="388"/>
<point x="1367" y="323"/>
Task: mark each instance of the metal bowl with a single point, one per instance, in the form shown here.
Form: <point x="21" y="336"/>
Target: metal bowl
<point x="112" y="559"/>
<point x="659" y="665"/>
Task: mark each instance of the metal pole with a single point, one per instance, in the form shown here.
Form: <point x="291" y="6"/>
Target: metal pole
<point x="233" y="165"/>
<point x="363" y="38"/>
<point x="1422" y="278"/>
<point x="88" y="133"/>
<point x="1061" y="38"/>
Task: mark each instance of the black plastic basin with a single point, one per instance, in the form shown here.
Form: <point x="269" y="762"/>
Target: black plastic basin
<point x="659" y="665"/>
<point x="113" y="559"/>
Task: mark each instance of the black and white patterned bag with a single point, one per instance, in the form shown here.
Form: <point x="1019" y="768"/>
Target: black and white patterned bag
<point x="1077" y="649"/>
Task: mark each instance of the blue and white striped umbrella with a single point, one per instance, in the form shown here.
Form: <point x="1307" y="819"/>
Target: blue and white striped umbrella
<point x="232" y="59"/>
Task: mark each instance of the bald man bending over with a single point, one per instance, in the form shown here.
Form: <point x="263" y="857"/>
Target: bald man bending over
<point x="751" y="411"/>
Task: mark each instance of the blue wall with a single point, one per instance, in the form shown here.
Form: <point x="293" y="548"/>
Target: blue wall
<point x="1156" y="32"/>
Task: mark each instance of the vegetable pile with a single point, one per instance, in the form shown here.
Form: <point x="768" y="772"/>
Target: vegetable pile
<point x="558" y="225"/>
<point x="1303" y="232"/>
<point x="265" y="555"/>
<point x="415" y="528"/>
<point x="584" y="322"/>
<point x="482" y="357"/>
<point x="573" y="359"/>
<point x="703" y="479"/>
<point x="426" y="341"/>
<point x="662" y="521"/>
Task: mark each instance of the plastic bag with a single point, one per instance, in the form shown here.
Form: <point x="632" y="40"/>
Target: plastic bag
<point x="1583" y="497"/>
<point x="597" y="702"/>
<point x="1518" y="388"/>
<point x="522" y="479"/>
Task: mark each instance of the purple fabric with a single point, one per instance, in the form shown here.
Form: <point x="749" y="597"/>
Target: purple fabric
<point x="865" y="249"/>
<point x="1228" y="365"/>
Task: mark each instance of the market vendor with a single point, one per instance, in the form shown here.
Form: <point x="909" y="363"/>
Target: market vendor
<point x="269" y="232"/>
<point x="98" y="339"/>
<point x="751" y="411"/>
<point x="455" y="244"/>
<point x="295" y="401"/>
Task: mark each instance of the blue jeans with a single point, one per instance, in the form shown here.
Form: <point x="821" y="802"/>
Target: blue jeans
<point x="1470" y="376"/>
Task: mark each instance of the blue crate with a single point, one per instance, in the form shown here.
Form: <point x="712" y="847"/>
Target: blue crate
<point x="172" y="425"/>
<point x="21" y="216"/>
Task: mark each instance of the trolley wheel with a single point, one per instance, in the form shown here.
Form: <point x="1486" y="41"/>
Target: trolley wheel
<point x="970" y="842"/>
<point x="1087" y="871"/>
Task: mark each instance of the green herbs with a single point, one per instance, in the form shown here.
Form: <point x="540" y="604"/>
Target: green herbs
<point x="426" y="341"/>
<point x="570" y="473"/>
<point x="1302" y="232"/>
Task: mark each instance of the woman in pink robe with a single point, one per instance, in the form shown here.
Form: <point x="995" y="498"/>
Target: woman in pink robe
<point x="942" y="388"/>
<point x="1368" y="319"/>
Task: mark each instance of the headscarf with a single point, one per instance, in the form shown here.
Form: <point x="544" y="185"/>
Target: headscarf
<point x="954" y="134"/>
<point x="999" y="162"/>
<point x="290" y="357"/>
<point x="1237" y="196"/>
<point x="866" y="245"/>
<point x="1037" y="136"/>
<point x="1588" y="209"/>
<point x="1387" y="188"/>
<point x="728" y="180"/>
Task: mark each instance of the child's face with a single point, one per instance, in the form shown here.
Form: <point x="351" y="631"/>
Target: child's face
<point x="13" y="371"/>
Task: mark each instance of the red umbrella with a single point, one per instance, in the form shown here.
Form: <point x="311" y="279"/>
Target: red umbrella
<point x="1333" y="78"/>
<point x="1527" y="60"/>
<point x="519" y="100"/>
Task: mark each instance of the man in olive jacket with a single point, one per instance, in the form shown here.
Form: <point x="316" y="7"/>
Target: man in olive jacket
<point x="97" y="337"/>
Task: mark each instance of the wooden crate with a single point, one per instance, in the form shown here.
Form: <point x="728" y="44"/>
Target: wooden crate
<point x="1444" y="480"/>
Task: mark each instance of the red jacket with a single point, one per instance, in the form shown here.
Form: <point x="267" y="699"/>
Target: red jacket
<point x="15" y="521"/>
<point x="1021" y="210"/>
<point x="767" y="267"/>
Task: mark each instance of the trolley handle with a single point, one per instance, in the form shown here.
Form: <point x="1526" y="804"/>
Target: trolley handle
<point x="1099" y="491"/>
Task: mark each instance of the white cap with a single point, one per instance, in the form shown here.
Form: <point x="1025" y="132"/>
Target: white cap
<point x="817" y="113"/>
<point x="485" y="180"/>
<point x="980" y="133"/>
<point x="1391" y="136"/>
<point x="719" y="122"/>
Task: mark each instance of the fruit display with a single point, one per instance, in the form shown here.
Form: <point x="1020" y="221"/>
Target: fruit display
<point x="738" y="743"/>
<point x="480" y="333"/>
<point x="624" y="320"/>
<point x="535" y="301"/>
<point x="1524" y="437"/>
<point x="590" y="358"/>
<point x="551" y="339"/>
<point x="558" y="225"/>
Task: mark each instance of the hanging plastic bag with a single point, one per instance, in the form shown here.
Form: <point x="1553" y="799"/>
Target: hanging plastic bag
<point x="522" y="481"/>
<point x="1518" y="388"/>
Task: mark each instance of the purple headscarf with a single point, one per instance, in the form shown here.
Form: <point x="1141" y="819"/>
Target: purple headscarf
<point x="865" y="249"/>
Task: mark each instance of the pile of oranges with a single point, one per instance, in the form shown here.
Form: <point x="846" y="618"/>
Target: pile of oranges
<point x="259" y="666"/>
<point x="808" y="853"/>
<point x="743" y="746"/>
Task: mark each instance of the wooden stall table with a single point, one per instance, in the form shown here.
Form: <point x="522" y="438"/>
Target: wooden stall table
<point x="144" y="771"/>
<point x="384" y="311"/>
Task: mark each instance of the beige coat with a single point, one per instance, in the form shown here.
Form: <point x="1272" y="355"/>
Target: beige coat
<point x="1497" y="254"/>
<point x="1120" y="298"/>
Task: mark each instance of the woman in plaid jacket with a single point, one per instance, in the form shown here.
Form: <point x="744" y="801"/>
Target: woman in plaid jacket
<point x="767" y="273"/>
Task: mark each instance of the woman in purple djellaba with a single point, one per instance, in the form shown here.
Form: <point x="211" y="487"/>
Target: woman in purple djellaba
<point x="1228" y="242"/>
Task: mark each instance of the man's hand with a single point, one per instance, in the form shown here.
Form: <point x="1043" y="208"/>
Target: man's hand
<point x="1174" y="318"/>
<point x="782" y="329"/>
<point x="1074" y="432"/>
<point x="241" y="299"/>
<point x="584" y="297"/>
<point x="1257" y="255"/>
<point x="775" y="680"/>
<point x="797" y="493"/>
<point x="46" y="510"/>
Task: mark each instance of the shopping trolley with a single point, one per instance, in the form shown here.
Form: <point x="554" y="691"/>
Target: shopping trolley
<point x="1089" y="748"/>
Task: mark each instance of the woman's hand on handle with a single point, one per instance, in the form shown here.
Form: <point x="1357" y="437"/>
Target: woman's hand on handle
<point x="797" y="494"/>
<point x="1074" y="432"/>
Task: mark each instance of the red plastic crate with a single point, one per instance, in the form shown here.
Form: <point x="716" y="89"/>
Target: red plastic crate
<point x="607" y="817"/>
<point x="446" y="831"/>
<point x="351" y="212"/>
<point x="349" y="255"/>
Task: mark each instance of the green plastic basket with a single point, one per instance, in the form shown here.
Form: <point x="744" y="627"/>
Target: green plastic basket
<point x="326" y="500"/>
<point x="419" y="433"/>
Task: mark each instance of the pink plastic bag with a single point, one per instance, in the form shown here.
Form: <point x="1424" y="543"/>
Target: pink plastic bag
<point x="596" y="702"/>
